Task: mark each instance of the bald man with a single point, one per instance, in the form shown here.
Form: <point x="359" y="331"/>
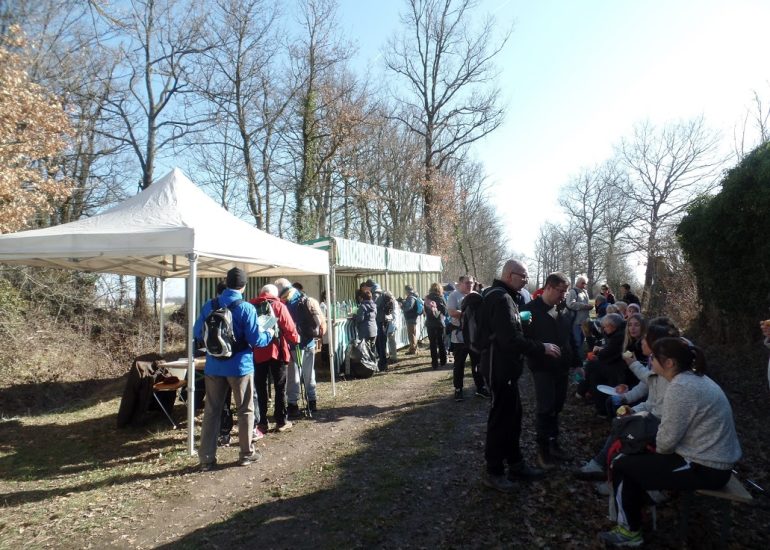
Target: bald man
<point x="503" y="356"/>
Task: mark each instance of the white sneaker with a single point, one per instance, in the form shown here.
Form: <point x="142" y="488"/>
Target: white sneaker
<point x="592" y="467"/>
<point x="602" y="488"/>
<point x="591" y="470"/>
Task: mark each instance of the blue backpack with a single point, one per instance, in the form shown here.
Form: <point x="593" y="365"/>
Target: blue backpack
<point x="419" y="305"/>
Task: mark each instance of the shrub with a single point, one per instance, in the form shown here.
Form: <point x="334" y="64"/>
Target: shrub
<point x="726" y="239"/>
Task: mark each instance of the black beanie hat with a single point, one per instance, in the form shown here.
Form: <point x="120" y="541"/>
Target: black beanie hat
<point x="236" y="278"/>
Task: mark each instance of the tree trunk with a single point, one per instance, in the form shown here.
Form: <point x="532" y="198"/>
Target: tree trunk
<point x="141" y="310"/>
<point x="649" y="272"/>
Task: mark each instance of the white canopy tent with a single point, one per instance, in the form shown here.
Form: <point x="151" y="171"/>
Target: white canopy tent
<point x="171" y="229"/>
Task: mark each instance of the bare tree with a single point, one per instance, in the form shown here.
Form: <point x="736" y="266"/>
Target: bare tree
<point x="319" y="57"/>
<point x="238" y="79"/>
<point x="67" y="59"/>
<point x="479" y="244"/>
<point x="450" y="98"/>
<point x="585" y="199"/>
<point x="597" y="203"/>
<point x="153" y="106"/>
<point x="669" y="168"/>
<point x="558" y="249"/>
<point x="756" y="121"/>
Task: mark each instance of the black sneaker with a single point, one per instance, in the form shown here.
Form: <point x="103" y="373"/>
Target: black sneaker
<point x="483" y="392"/>
<point x="525" y="472"/>
<point x="557" y="453"/>
<point x="312" y="405"/>
<point x="459" y="394"/>
<point x="292" y="411"/>
<point x="498" y="483"/>
<point x="208" y="467"/>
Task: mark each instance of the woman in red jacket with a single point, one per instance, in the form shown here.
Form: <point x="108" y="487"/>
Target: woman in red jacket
<point x="273" y="358"/>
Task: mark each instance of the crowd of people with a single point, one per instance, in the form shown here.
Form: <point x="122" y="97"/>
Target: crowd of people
<point x="672" y="425"/>
<point x="274" y="338"/>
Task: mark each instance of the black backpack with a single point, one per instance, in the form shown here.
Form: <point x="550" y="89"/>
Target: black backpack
<point x="472" y="322"/>
<point x="308" y="322"/>
<point x="218" y="335"/>
<point x="388" y="304"/>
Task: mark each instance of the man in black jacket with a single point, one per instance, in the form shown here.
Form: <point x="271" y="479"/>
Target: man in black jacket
<point x="628" y="296"/>
<point x="501" y="324"/>
<point x="550" y="324"/>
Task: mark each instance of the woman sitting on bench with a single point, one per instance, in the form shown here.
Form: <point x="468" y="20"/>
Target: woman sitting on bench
<point x="696" y="445"/>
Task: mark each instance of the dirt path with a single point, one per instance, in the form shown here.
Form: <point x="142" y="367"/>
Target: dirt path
<point x="390" y="462"/>
<point x="348" y="477"/>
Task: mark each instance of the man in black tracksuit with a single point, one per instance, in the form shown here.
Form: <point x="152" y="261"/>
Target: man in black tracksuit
<point x="501" y="324"/>
<point x="550" y="374"/>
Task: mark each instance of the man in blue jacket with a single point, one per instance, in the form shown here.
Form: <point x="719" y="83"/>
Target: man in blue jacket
<point x="235" y="372"/>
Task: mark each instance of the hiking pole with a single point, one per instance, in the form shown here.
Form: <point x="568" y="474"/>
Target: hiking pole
<point x="302" y="392"/>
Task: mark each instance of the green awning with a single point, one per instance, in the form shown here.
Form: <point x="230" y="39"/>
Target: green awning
<point x="349" y="255"/>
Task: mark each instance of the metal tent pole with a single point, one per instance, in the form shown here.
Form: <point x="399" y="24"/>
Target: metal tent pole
<point x="330" y="327"/>
<point x="191" y="316"/>
<point x="162" y="303"/>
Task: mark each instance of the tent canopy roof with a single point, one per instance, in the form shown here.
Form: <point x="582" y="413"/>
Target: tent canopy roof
<point x="353" y="256"/>
<point x="152" y="233"/>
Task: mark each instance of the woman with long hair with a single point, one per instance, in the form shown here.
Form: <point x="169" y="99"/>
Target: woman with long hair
<point x="696" y="445"/>
<point x="636" y="329"/>
<point x="435" y="313"/>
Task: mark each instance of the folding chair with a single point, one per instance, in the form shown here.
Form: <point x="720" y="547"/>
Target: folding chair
<point x="162" y="387"/>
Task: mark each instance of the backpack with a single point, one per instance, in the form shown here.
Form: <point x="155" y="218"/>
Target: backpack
<point x="311" y="322"/>
<point x="419" y="305"/>
<point x="218" y="335"/>
<point x="432" y="308"/>
<point x="472" y="322"/>
<point x="388" y="304"/>
<point x="318" y="316"/>
<point x="266" y="317"/>
<point x="636" y="433"/>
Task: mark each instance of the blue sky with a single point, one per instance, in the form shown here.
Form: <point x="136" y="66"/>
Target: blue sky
<point x="576" y="76"/>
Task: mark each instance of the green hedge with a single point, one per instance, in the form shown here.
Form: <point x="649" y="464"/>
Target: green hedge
<point x="726" y="238"/>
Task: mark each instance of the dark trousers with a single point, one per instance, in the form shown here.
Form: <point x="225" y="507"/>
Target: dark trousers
<point x="597" y="374"/>
<point x="503" y="427"/>
<point x="550" y="394"/>
<point x="381" y="345"/>
<point x="277" y="370"/>
<point x="461" y="351"/>
<point x="633" y="475"/>
<point x="437" y="349"/>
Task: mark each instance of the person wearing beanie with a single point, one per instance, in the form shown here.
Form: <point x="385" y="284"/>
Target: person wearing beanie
<point x="235" y="372"/>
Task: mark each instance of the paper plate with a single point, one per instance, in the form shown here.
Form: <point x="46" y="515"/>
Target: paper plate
<point x="609" y="390"/>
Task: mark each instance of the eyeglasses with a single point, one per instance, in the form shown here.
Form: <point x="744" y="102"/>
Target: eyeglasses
<point x="522" y="275"/>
